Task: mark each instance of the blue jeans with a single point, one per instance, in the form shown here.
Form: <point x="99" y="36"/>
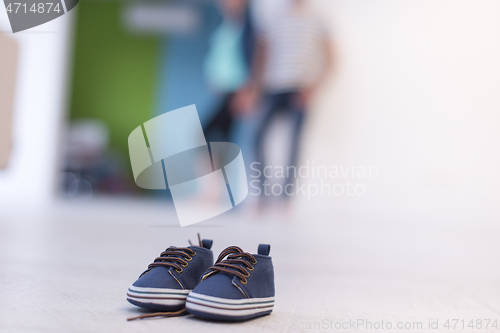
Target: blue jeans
<point x="274" y="104"/>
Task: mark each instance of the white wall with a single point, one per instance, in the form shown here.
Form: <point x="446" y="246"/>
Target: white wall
<point x="39" y="109"/>
<point x="416" y="93"/>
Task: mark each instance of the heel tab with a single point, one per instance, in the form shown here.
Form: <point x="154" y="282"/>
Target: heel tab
<point x="207" y="243"/>
<point x="264" y="249"/>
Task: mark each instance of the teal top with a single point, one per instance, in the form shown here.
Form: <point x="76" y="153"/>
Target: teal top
<point x="225" y="67"/>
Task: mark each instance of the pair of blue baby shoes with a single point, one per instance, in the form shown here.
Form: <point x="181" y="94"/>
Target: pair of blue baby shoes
<point x="184" y="280"/>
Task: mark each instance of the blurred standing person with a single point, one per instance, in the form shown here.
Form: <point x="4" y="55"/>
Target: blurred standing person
<point x="293" y="57"/>
<point x="227" y="63"/>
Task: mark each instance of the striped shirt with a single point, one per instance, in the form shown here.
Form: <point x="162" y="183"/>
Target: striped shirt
<point x="295" y="51"/>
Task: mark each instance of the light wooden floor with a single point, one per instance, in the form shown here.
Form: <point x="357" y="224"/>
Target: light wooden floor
<point x="68" y="271"/>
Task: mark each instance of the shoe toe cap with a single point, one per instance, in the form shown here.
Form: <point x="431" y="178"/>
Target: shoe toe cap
<point x="158" y="277"/>
<point x="219" y="285"/>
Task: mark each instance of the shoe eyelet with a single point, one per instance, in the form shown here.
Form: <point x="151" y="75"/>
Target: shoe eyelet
<point x="250" y="269"/>
<point x="254" y="263"/>
<point x="244" y="282"/>
<point x="188" y="259"/>
<point x="186" y="265"/>
<point x="179" y="271"/>
<point x="194" y="254"/>
<point x="246" y="275"/>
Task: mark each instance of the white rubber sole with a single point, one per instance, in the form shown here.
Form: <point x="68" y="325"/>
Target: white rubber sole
<point x="159" y="296"/>
<point x="223" y="308"/>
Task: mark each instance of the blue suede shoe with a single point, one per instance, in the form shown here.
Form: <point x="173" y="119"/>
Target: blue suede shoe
<point x="166" y="283"/>
<point x="237" y="288"/>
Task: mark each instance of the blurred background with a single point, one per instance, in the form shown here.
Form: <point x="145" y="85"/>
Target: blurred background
<point x="390" y="107"/>
<point x="412" y="93"/>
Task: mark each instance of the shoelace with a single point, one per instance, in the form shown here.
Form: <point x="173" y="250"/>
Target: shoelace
<point x="166" y="260"/>
<point x="235" y="257"/>
<point x="181" y="312"/>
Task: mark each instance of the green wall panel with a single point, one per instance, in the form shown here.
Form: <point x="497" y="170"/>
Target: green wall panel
<point x="115" y="72"/>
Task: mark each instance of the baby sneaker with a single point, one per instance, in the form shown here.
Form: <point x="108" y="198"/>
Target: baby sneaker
<point x="236" y="288"/>
<point x="166" y="283"/>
